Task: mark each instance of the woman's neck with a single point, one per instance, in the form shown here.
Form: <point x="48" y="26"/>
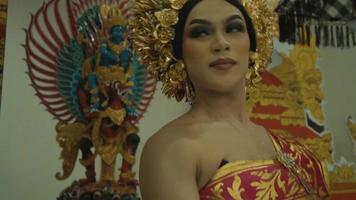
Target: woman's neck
<point x="216" y="106"/>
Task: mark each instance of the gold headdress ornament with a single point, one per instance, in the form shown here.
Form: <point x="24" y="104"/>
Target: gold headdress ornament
<point x="111" y="16"/>
<point x="152" y="33"/>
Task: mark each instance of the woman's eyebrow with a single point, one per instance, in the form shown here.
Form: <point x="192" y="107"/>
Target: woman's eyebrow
<point x="206" y="22"/>
<point x="233" y="17"/>
<point x="200" y="21"/>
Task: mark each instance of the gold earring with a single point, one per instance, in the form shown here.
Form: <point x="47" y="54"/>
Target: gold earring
<point x="189" y="91"/>
<point x="253" y="73"/>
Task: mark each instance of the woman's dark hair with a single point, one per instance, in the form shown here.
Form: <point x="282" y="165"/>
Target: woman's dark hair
<point x="183" y="15"/>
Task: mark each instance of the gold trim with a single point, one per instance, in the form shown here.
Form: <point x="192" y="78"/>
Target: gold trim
<point x="249" y="163"/>
<point x="239" y="166"/>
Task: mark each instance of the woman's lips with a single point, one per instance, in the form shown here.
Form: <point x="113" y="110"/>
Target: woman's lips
<point x="223" y="63"/>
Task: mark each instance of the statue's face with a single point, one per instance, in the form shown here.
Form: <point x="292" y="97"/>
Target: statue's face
<point x="216" y="29"/>
<point x="117" y="33"/>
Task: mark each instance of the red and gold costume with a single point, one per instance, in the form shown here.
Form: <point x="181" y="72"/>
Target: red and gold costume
<point x="295" y="174"/>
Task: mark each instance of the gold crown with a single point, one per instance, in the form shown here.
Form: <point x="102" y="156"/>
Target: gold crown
<point x="111" y="16"/>
<point x="151" y="32"/>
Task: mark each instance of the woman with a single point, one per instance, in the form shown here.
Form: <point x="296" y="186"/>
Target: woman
<point x="208" y="51"/>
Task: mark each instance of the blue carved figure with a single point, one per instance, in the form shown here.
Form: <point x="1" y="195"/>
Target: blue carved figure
<point x="113" y="52"/>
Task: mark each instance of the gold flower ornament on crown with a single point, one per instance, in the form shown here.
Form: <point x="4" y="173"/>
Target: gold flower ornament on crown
<point x="152" y="32"/>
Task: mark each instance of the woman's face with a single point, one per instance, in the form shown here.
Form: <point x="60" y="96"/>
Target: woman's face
<point x="216" y="46"/>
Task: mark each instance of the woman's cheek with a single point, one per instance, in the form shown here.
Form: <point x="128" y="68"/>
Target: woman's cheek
<point x="192" y="51"/>
<point x="195" y="56"/>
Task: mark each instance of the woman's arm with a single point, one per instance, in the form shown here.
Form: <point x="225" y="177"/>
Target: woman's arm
<point x="168" y="170"/>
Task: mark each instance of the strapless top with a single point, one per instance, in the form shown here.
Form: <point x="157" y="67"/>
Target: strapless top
<point x="295" y="174"/>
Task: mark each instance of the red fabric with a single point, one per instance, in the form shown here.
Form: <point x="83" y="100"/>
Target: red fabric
<point x="268" y="179"/>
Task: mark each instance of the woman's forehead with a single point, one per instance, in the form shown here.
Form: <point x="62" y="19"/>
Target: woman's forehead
<point x="214" y="10"/>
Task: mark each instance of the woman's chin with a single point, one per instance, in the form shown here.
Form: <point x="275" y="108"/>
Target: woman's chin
<point x="225" y="84"/>
<point x="223" y="89"/>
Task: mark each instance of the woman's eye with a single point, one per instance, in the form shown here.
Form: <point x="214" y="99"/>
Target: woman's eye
<point x="199" y="32"/>
<point x="233" y="28"/>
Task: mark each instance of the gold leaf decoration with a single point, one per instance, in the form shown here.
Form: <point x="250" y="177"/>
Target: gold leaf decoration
<point x="236" y="190"/>
<point x="266" y="187"/>
<point x="68" y="136"/>
<point x="217" y="191"/>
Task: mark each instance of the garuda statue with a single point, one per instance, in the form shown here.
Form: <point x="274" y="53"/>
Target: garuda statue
<point x="83" y="70"/>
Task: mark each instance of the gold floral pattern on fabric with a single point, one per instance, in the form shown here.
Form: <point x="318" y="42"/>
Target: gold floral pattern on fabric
<point x="266" y="186"/>
<point x="269" y="182"/>
<point x="309" y="171"/>
<point x="270" y="179"/>
<point x="217" y="191"/>
<point x="236" y="190"/>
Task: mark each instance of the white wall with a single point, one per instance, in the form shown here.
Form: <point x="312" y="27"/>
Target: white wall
<point x="28" y="150"/>
<point x="339" y="73"/>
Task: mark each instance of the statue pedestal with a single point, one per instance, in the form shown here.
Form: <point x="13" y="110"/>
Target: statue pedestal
<point x="108" y="190"/>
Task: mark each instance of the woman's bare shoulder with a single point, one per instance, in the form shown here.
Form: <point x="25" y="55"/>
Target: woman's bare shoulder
<point x="170" y="154"/>
<point x="174" y="136"/>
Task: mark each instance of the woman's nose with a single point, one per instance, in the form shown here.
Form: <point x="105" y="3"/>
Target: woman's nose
<point x="220" y="43"/>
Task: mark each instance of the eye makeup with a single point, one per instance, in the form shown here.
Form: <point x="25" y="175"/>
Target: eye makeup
<point x="202" y="28"/>
<point x="234" y="27"/>
<point x="200" y="31"/>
